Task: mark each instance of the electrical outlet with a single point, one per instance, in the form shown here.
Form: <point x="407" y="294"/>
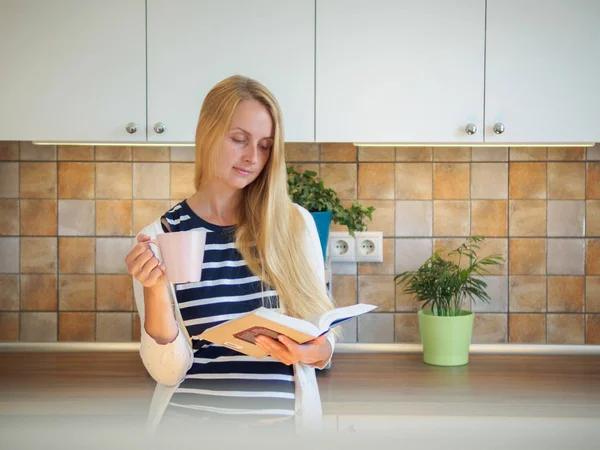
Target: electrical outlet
<point x="369" y="246"/>
<point x="342" y="247"/>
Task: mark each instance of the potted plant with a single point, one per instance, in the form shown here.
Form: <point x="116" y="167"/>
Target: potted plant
<point x="309" y="191"/>
<point x="443" y="285"/>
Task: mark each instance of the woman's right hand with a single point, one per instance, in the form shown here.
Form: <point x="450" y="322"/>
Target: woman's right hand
<point x="142" y="263"/>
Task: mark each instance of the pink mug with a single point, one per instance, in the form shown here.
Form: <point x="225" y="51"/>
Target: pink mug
<point x="181" y="253"/>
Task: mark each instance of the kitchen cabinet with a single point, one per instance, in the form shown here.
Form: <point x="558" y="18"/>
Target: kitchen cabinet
<point x="72" y="70"/>
<point x="400" y="70"/>
<point x="193" y="45"/>
<point x="543" y="71"/>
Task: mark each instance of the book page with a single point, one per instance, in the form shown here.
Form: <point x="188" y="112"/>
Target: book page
<point x="338" y="316"/>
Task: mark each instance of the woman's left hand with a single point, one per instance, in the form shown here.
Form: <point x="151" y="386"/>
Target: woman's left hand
<point x="290" y="352"/>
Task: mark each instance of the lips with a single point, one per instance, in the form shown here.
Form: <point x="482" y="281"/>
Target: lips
<point x="243" y="171"/>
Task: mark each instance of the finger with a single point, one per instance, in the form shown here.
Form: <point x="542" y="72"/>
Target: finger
<point x="275" y="349"/>
<point x="154" y="276"/>
<point x="143" y="237"/>
<point x="150" y="265"/>
<point x="136" y="266"/>
<point x="318" y="341"/>
<point x="135" y="252"/>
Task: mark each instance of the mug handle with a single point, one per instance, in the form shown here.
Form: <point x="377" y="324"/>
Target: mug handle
<point x="157" y="253"/>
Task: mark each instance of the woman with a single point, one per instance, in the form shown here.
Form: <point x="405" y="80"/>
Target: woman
<point x="265" y="251"/>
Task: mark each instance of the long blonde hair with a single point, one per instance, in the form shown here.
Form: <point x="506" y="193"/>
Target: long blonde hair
<point x="270" y="231"/>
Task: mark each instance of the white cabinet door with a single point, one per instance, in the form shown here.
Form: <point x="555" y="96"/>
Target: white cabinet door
<point x="72" y="70"/>
<point x="399" y="70"/>
<point x="543" y="71"/>
<point x="192" y="45"/>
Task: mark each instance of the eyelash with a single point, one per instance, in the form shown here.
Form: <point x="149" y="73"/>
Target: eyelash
<point x="237" y="141"/>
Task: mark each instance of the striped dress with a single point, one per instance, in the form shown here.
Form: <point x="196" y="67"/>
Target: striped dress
<point x="224" y="386"/>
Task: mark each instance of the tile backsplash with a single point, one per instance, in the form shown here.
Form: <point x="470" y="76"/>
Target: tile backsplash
<point x="69" y="214"/>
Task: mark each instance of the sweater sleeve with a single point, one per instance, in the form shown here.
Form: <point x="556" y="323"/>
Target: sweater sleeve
<point x="313" y="244"/>
<point x="166" y="363"/>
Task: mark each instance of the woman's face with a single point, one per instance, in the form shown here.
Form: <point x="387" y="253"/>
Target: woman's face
<point x="247" y="145"/>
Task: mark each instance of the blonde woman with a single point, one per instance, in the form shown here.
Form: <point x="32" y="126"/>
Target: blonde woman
<point x="267" y="253"/>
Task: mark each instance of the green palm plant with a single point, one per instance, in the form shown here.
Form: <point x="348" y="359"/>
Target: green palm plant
<point x="443" y="285"/>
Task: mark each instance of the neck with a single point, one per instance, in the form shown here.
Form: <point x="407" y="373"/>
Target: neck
<point x="217" y="205"/>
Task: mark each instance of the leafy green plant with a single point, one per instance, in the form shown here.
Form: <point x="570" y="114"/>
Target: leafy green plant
<point x="443" y="285"/>
<point x="308" y="190"/>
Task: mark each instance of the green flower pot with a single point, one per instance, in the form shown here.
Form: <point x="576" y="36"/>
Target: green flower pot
<point x="445" y="339"/>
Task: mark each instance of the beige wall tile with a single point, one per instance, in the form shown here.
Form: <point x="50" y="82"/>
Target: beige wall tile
<point x="113" y="153"/>
<point x="75" y="153"/>
<point x="451" y="218"/>
<point x="76" y="180"/>
<point x="183" y="154"/>
<point x="527" y="328"/>
<point x="592" y="257"/>
<point x="380" y="154"/>
<point x="410" y="254"/>
<point x="383" y="268"/>
<point x="38" y="326"/>
<point x="446" y="245"/>
<point x="592" y="191"/>
<point x="342" y="178"/>
<point x="566" y="181"/>
<point x="76" y="292"/>
<point x="114" y="217"/>
<point x="527" y="294"/>
<point x="527" y="256"/>
<point x="76" y="326"/>
<point x="414" y="154"/>
<point x="114" y="293"/>
<point x="414" y="218"/>
<point x="344" y="289"/>
<point x="377" y="290"/>
<point x="565" y="294"/>
<point x="9" y="217"/>
<point x="10" y="251"/>
<point x="76" y="217"/>
<point x="593" y="153"/>
<point x="114" y="180"/>
<point x="489" y="154"/>
<point x="592" y="294"/>
<point x="490" y="329"/>
<point x="383" y="216"/>
<point x="338" y="152"/>
<point x="528" y="153"/>
<point x="39" y="293"/>
<point x="451" y="181"/>
<point x="39" y="217"/>
<point x="489" y="181"/>
<point x="111" y="253"/>
<point x="38" y="180"/>
<point x="151" y="153"/>
<point x="406" y="302"/>
<point x="488" y="218"/>
<point x="38" y="255"/>
<point x="9" y="179"/>
<point x="376" y="327"/>
<point x="376" y="181"/>
<point x="566" y="329"/>
<point x="414" y="181"/>
<point x="151" y="180"/>
<point x="349" y="332"/>
<point x="566" y="218"/>
<point x="527" y="180"/>
<point x="303" y="167"/>
<point x="32" y="152"/>
<point x="182" y="180"/>
<point x="9" y="292"/>
<point x="137" y="328"/>
<point x="147" y="211"/>
<point x="76" y="255"/>
<point x="592" y="329"/>
<point x="566" y="153"/>
<point x="527" y="217"/>
<point x="304" y="151"/>
<point x="454" y="154"/>
<point x="592" y="218"/>
<point x="9" y="150"/>
<point x="114" y="327"/>
<point x="497" y="289"/>
<point x="9" y="326"/>
<point x="494" y="246"/>
<point x="407" y="328"/>
<point x="566" y="256"/>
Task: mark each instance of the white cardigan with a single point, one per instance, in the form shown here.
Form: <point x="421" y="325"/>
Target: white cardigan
<point x="169" y="363"/>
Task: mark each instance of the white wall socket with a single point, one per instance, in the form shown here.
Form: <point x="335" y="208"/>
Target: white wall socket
<point x="366" y="247"/>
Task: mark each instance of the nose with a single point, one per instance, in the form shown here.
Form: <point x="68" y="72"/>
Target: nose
<point x="251" y="156"/>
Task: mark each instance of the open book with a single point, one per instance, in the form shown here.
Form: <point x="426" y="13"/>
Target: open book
<point x="239" y="333"/>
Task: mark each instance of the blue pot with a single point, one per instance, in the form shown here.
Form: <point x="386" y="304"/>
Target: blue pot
<point x="323" y="222"/>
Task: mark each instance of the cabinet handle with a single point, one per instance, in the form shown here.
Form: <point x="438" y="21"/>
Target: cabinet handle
<point x="499" y="128"/>
<point x="471" y="128"/>
<point x="131" y="127"/>
<point x="160" y="127"/>
<point x="352" y="428"/>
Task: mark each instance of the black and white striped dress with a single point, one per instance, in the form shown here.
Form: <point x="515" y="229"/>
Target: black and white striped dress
<point x="223" y="385"/>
